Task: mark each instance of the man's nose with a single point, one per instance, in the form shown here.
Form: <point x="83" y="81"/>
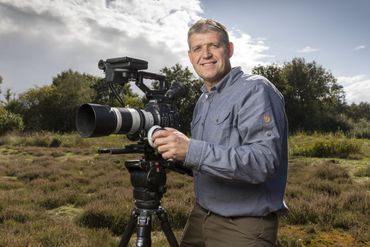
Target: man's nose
<point x="206" y="52"/>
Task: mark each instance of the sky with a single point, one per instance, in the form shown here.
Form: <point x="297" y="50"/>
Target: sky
<point x="41" y="38"/>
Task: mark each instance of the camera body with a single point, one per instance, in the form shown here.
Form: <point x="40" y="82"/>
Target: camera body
<point x="93" y="120"/>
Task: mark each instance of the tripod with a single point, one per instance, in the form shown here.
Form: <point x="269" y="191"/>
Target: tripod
<point x="149" y="181"/>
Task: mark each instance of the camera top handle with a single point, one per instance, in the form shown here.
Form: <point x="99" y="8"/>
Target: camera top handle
<point x="123" y="69"/>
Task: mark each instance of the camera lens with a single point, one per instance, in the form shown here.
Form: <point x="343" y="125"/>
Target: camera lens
<point x="95" y="120"/>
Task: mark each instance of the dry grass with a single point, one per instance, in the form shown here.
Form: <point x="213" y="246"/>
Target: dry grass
<point x="65" y="194"/>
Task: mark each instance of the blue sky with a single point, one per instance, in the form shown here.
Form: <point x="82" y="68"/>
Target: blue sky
<point x="41" y="38"/>
<point x="333" y="29"/>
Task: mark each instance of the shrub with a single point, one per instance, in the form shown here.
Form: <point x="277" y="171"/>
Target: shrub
<point x="361" y="129"/>
<point x="363" y="172"/>
<point x="59" y="198"/>
<point x="342" y="148"/>
<point x="10" y="121"/>
<point x="102" y="215"/>
<point x="330" y="171"/>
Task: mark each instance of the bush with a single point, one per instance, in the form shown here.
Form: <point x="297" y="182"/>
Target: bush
<point x="363" y="172"/>
<point x="342" y="148"/>
<point x="101" y="215"/>
<point x="10" y="121"/>
<point x="361" y="129"/>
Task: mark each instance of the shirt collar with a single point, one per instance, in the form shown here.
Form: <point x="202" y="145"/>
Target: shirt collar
<point x="225" y="82"/>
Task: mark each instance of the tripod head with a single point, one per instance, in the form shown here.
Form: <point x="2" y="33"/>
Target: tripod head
<point x="148" y="175"/>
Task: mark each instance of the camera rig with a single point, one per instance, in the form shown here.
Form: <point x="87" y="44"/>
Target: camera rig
<point x="148" y="175"/>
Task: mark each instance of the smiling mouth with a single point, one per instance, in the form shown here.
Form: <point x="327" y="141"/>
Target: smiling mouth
<point x="208" y="63"/>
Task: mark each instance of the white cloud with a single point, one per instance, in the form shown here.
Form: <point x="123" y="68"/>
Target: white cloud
<point x="308" y="49"/>
<point x="247" y="51"/>
<point x="359" y="47"/>
<point x="357" y="88"/>
<point x="41" y="38"/>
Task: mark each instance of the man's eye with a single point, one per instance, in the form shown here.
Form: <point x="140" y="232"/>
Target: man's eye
<point x="196" y="49"/>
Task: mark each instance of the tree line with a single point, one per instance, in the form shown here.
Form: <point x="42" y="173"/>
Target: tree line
<point x="314" y="100"/>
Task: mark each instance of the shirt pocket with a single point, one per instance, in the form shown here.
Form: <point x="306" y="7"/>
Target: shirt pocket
<point x="221" y="118"/>
<point x="222" y="127"/>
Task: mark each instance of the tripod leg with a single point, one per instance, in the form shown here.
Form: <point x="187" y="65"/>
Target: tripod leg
<point x="129" y="229"/>
<point x="144" y="228"/>
<point x="165" y="225"/>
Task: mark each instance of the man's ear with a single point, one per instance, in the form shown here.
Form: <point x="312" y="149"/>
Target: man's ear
<point x="230" y="49"/>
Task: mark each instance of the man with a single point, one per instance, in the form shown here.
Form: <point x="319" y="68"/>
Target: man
<point x="237" y="149"/>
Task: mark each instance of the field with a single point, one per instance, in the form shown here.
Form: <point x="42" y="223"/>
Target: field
<point x="55" y="190"/>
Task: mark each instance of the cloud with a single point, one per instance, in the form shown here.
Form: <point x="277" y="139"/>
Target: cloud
<point x="247" y="51"/>
<point x="41" y="38"/>
<point x="308" y="49"/>
<point x="357" y="88"/>
<point x="359" y="47"/>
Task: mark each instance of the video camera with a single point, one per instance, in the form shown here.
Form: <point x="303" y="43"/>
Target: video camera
<point x="95" y="120"/>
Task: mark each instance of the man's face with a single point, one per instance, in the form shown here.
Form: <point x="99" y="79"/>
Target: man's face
<point x="209" y="56"/>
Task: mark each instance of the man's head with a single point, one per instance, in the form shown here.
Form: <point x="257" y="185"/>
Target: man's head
<point x="209" y="50"/>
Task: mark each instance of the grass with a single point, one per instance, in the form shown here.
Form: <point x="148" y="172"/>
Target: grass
<point x="56" y="191"/>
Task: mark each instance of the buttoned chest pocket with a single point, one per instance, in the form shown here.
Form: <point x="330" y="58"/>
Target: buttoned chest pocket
<point x="222" y="125"/>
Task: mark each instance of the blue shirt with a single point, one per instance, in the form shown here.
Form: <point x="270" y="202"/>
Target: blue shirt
<point x="239" y="147"/>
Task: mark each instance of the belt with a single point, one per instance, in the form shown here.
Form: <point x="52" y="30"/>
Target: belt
<point x="208" y="212"/>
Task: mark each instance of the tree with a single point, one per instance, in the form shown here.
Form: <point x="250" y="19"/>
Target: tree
<point x="312" y="95"/>
<point x="72" y="89"/>
<point x="192" y="86"/>
<point x="104" y="95"/>
<point x="275" y="74"/>
<point x="357" y="112"/>
<point x="38" y="106"/>
<point x="53" y="107"/>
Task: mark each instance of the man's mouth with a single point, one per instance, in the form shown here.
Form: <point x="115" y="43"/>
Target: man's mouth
<point x="208" y="63"/>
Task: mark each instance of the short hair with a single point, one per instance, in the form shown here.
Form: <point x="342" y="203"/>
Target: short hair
<point x="207" y="25"/>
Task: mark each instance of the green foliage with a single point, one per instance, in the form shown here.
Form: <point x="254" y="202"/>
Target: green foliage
<point x="105" y="95"/>
<point x="363" y="172"/>
<point x="312" y="94"/>
<point x="342" y="148"/>
<point x="10" y="121"/>
<point x="360" y="128"/>
<point x="72" y="90"/>
<point x="357" y="112"/>
<point x="53" y="107"/>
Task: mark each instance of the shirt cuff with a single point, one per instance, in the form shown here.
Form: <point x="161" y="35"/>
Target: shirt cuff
<point x="194" y="154"/>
